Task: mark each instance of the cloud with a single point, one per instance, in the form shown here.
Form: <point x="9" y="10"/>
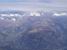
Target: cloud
<point x="60" y="14"/>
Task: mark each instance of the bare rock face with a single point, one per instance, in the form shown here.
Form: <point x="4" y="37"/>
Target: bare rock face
<point x="44" y="32"/>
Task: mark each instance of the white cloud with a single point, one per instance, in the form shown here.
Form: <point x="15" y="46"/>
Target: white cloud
<point x="11" y="15"/>
<point x="60" y="14"/>
<point x="13" y="19"/>
<point x="34" y="14"/>
<point x="4" y="14"/>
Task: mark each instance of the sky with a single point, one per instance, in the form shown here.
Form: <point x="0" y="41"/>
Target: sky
<point x="5" y="1"/>
<point x="33" y="3"/>
<point x="40" y="1"/>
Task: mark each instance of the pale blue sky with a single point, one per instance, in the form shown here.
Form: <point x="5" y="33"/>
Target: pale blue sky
<point x="44" y="1"/>
<point x="33" y="3"/>
<point x="6" y="1"/>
